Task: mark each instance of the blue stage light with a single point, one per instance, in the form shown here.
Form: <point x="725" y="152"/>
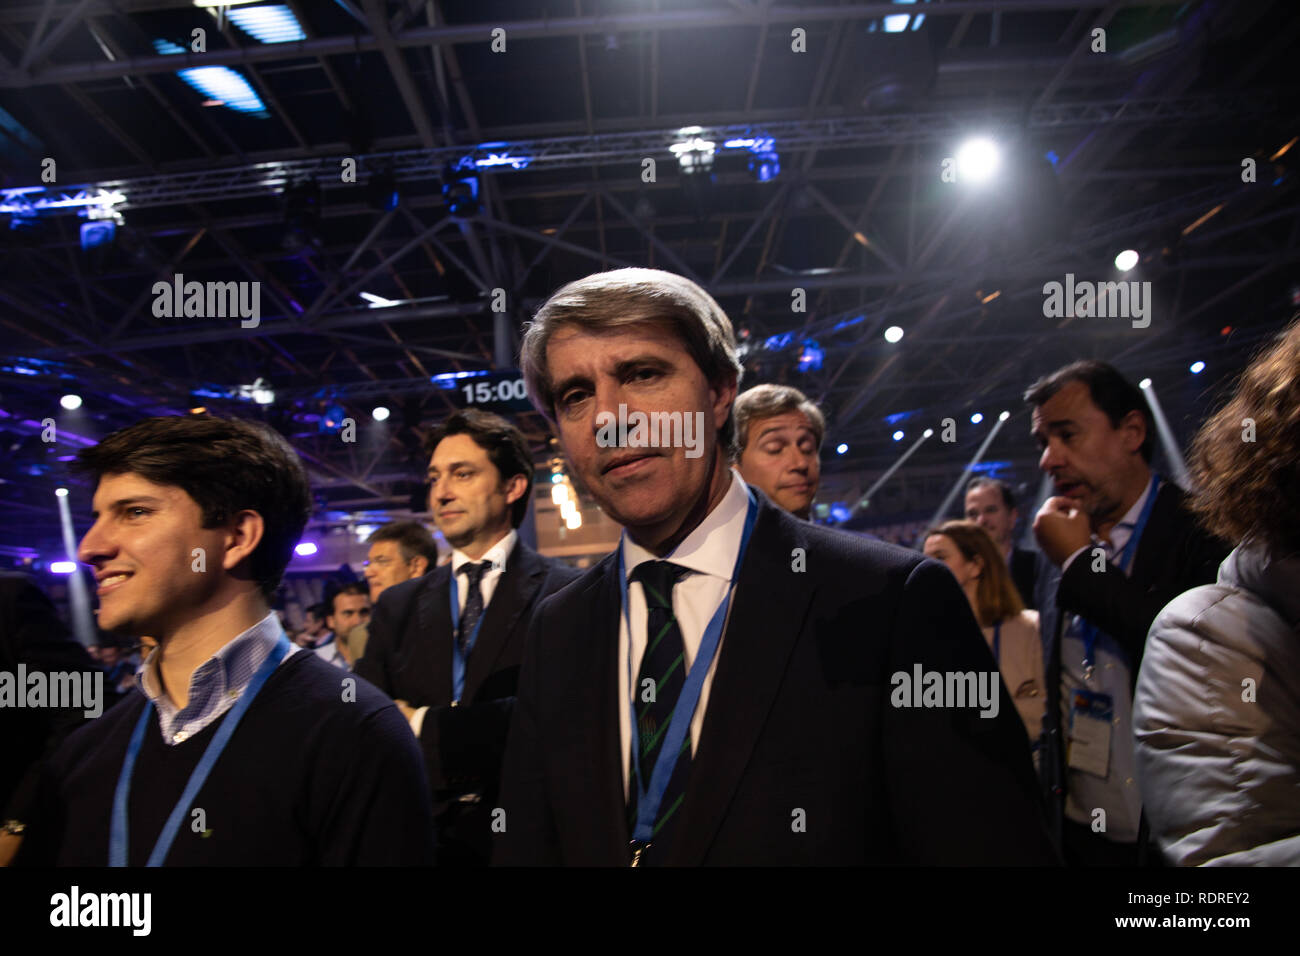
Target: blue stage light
<point x="269" y="24"/>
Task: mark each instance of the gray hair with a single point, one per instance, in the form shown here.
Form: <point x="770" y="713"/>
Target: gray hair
<point x="764" y="401"/>
<point x="626" y="297"/>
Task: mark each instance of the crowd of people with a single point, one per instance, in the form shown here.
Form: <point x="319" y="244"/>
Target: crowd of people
<point x="733" y="684"/>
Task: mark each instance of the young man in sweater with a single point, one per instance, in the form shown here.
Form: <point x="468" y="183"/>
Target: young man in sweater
<point x="235" y="748"/>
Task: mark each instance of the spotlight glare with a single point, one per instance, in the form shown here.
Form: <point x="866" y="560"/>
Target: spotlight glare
<point x="893" y="334"/>
<point x="306" y="548"/>
<point x="898" y="436"/>
<point x="841" y="448"/>
<point x="1145" y="383"/>
<point x="61" y="492"/>
<point x="380" y="413"/>
<point x="1197" y="368"/>
<point x="70" y="402"/>
<point x="63" y="567"/>
<point x="1004" y="416"/>
<point x="977" y="160"/>
<point x="1126" y="260"/>
<point x="927" y="433"/>
<point x="976" y="418"/>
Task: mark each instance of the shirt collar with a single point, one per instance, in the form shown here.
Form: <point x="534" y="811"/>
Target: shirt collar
<point x="711" y="548"/>
<point x="1131" y="516"/>
<point x="497" y="554"/>
<point x="227" y="672"/>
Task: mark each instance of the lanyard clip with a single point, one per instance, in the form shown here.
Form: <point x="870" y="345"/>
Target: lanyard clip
<point x="637" y="848"/>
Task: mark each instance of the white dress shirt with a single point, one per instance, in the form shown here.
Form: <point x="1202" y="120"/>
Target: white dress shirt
<point x="497" y="555"/>
<point x="709" y="552"/>
<point x="1117" y="792"/>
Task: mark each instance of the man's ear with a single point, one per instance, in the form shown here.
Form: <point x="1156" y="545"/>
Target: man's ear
<point x="421" y="564"/>
<point x="722" y="396"/>
<point x="243" y="535"/>
<point x="516" y="488"/>
<point x="1134" y="426"/>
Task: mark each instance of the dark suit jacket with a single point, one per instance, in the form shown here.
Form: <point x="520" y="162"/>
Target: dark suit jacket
<point x="408" y="657"/>
<point x="799" y="719"/>
<point x="1174" y="555"/>
<point x="32" y="634"/>
<point x="1024" y="572"/>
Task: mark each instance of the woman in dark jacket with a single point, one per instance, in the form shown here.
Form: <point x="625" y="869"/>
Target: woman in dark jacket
<point x="1217" y="708"/>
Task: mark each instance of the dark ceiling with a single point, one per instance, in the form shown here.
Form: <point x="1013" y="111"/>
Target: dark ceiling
<point x="1130" y="148"/>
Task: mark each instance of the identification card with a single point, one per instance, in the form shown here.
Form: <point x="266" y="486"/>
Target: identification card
<point x="1091" y="715"/>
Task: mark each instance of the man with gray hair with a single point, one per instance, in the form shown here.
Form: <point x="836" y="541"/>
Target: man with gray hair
<point x="718" y="603"/>
<point x="779" y="436"/>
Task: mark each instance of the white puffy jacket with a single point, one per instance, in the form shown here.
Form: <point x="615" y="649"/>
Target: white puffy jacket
<point x="1217" y="718"/>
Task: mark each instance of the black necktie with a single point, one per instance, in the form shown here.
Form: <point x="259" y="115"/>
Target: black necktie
<point x="659" y="683"/>
<point x="469" y="618"/>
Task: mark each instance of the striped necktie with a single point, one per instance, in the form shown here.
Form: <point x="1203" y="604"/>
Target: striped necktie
<point x="659" y="682"/>
<point x="473" y="601"/>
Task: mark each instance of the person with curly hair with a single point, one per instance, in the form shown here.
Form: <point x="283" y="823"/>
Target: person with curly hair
<point x="1217" y="708"/>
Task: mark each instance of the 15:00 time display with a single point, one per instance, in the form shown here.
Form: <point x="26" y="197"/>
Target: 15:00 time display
<point x="506" y="390"/>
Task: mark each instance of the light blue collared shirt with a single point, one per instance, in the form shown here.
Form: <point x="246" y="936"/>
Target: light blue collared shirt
<point x="215" y="684"/>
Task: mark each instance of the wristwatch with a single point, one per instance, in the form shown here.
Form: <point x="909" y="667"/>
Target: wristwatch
<point x="13" y="827"/>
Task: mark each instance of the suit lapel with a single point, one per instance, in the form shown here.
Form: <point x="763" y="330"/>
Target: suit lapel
<point x="767" y="616"/>
<point x="605" y="738"/>
<point x="518" y="584"/>
<point x="429" y="662"/>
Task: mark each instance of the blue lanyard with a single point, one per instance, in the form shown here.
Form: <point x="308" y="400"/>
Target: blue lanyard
<point x="649" y="798"/>
<point x="117" y="844"/>
<point x="458" y="660"/>
<point x="1087" y="630"/>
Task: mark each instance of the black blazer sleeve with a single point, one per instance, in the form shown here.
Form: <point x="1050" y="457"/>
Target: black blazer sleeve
<point x="962" y="789"/>
<point x="1125" y="607"/>
<point x="529" y="837"/>
<point x="387" y="619"/>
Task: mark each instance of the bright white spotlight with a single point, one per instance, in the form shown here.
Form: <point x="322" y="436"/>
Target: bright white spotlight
<point x="63" y="567"/>
<point x="1004" y="416"/>
<point x="1126" y="260"/>
<point x="893" y="334"/>
<point x="898" y="436"/>
<point x="977" y="160"/>
<point x="574" y="521"/>
<point x="70" y="402"/>
<point x="559" y="494"/>
<point x="1197" y="368"/>
<point x="1145" y="383"/>
<point x="927" y="433"/>
<point x="841" y="448"/>
<point x="976" y="418"/>
<point x="380" y="413"/>
<point x="61" y="492"/>
<point x="306" y="549"/>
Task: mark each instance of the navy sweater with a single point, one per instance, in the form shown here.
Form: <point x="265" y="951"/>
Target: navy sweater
<point x="308" y="779"/>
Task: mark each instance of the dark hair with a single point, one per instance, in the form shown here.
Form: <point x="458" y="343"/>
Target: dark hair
<point x="1008" y="497"/>
<point x="504" y="444"/>
<point x="317" y="611"/>
<point x="996" y="595"/>
<point x="1111" y="392"/>
<point x="413" y="540"/>
<point x="352" y="587"/>
<point x="226" y="465"/>
<point x="1248" y="489"/>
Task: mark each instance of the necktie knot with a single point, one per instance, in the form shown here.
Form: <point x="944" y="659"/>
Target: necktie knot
<point x="474" y="571"/>
<point x="657" y="581"/>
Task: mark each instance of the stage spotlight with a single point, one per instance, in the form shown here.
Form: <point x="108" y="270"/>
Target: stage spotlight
<point x="61" y="492"/>
<point x="380" y="413"/>
<point x="70" y="402"/>
<point x="765" y="167"/>
<point x="977" y="160"/>
<point x="331" y="422"/>
<point x="381" y="192"/>
<point x="1126" y="260"/>
<point x="927" y="433"/>
<point x="1004" y="416"/>
<point x="1197" y="368"/>
<point x="97" y="233"/>
<point x="898" y="436"/>
<point x="63" y="567"/>
<point x="1145" y="383"/>
<point x="841" y="448"/>
<point x="893" y="334"/>
<point x="694" y="155"/>
<point x="976" y="418"/>
<point x="306" y="549"/>
<point x="811" y="356"/>
<point x="460" y="191"/>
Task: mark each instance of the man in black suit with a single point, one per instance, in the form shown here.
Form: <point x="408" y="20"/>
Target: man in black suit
<point x="1118" y="545"/>
<point x="783" y="744"/>
<point x="451" y="658"/>
<point x="991" y="504"/>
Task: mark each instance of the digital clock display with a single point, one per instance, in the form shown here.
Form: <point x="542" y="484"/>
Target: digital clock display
<point x="498" y="391"/>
